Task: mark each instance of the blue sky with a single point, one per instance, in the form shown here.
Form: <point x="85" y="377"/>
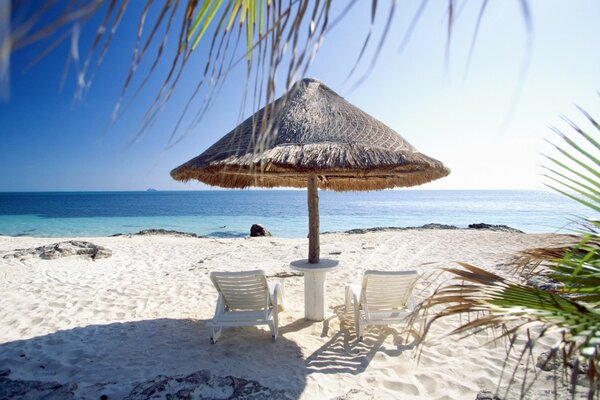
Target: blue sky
<point x="487" y="123"/>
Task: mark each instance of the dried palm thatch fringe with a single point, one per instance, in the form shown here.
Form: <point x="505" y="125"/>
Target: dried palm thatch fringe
<point x="312" y="130"/>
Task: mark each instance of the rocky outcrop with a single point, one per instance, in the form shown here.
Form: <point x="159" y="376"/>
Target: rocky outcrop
<point x="550" y="361"/>
<point x="489" y="227"/>
<point x="487" y="395"/>
<point x="397" y="228"/>
<point x="199" y="385"/>
<point x="156" y="232"/>
<point x="20" y="389"/>
<point x="202" y="385"/>
<point x="259" y="230"/>
<point x="437" y="226"/>
<point x="62" y="249"/>
<point x="544" y="281"/>
<point x="497" y="228"/>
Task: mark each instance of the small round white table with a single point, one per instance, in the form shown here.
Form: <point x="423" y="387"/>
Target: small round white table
<point x="314" y="286"/>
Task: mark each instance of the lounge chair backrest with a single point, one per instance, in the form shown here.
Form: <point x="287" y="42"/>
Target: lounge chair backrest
<point x="387" y="290"/>
<point x="246" y="290"/>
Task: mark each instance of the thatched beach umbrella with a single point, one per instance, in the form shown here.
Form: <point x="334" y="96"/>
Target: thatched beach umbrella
<point x="311" y="137"/>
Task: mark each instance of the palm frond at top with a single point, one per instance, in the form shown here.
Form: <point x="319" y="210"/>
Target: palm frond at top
<point x="276" y="40"/>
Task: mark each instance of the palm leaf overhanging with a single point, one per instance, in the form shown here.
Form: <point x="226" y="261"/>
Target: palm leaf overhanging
<point x="570" y="309"/>
<point x="275" y="39"/>
<point x="270" y="36"/>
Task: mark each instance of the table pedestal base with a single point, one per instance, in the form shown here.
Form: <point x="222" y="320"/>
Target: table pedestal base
<point x="314" y="296"/>
<point x="314" y="286"/>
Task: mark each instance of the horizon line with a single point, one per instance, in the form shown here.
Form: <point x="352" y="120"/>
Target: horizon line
<point x="152" y="190"/>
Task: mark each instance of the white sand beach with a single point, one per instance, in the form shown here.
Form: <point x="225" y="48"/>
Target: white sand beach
<point x="110" y="324"/>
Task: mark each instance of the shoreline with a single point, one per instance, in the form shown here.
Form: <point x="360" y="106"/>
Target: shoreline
<point x="113" y="325"/>
<point x="428" y="226"/>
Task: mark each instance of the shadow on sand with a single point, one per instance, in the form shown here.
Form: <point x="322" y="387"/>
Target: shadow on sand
<point x="113" y="359"/>
<point x="139" y="359"/>
<point x="344" y="354"/>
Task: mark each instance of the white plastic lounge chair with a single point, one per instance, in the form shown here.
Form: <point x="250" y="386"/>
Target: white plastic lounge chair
<point x="245" y="299"/>
<point x="385" y="298"/>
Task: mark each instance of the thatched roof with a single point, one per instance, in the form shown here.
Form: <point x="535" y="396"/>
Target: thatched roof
<point x="312" y="130"/>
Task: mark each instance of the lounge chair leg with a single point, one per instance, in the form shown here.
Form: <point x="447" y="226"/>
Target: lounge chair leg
<point x="359" y="332"/>
<point x="281" y="297"/>
<point x="348" y="299"/>
<point x="216" y="333"/>
<point x="274" y="329"/>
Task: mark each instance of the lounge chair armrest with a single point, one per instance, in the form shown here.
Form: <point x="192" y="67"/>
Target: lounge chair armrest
<point x="352" y="295"/>
<point x="412" y="305"/>
<point x="276" y="291"/>
<point x="414" y="308"/>
<point x="219" y="310"/>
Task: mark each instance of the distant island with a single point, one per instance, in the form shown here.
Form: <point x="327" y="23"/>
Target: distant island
<point x="151" y="190"/>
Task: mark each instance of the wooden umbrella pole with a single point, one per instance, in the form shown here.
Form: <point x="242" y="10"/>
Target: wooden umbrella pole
<point x="313" y="220"/>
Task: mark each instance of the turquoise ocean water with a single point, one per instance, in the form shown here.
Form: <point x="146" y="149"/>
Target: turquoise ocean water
<point x="230" y="213"/>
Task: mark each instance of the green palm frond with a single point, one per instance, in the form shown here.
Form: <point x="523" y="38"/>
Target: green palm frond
<point x="480" y="290"/>
<point x="499" y="303"/>
<point x="578" y="176"/>
<point x="577" y="267"/>
<point x="573" y="309"/>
